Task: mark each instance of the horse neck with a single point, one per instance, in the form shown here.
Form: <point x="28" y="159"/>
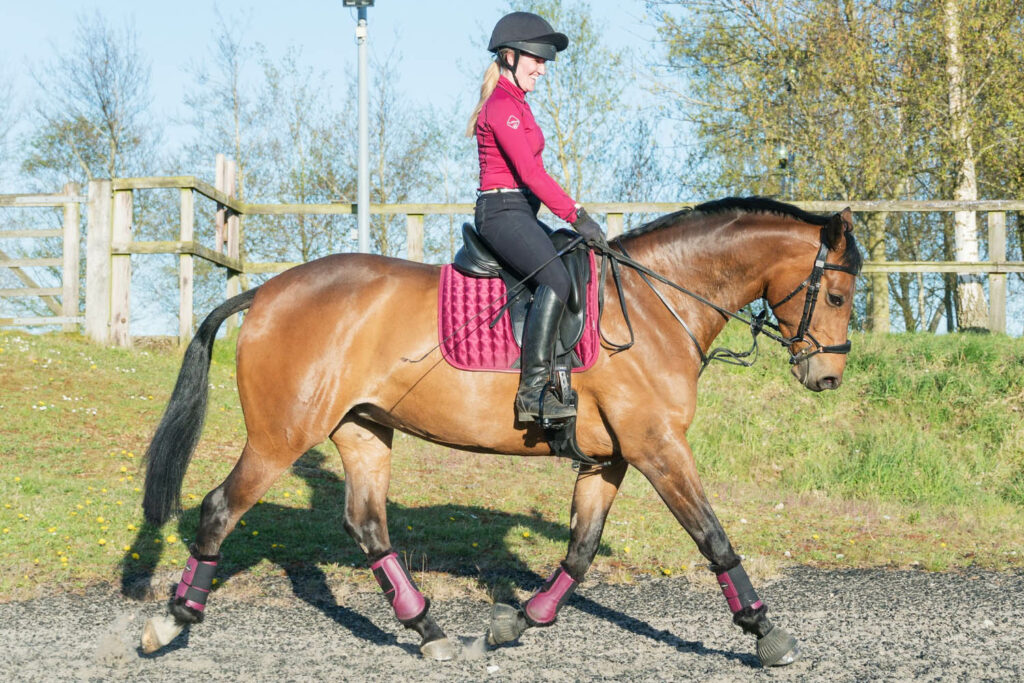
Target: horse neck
<point x="729" y="259"/>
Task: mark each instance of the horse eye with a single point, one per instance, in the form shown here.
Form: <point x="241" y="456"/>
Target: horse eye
<point x="835" y="300"/>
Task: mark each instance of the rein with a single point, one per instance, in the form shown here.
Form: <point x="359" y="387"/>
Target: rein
<point x="757" y="322"/>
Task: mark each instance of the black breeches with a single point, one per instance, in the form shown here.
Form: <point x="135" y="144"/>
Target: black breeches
<point x="507" y="223"/>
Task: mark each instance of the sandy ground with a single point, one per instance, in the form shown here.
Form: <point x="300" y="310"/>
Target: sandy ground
<point x="852" y="625"/>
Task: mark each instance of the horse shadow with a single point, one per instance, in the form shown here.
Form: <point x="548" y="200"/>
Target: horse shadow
<point x="440" y="533"/>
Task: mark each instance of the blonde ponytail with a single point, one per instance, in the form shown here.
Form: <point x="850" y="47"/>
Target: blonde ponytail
<point x="491" y="77"/>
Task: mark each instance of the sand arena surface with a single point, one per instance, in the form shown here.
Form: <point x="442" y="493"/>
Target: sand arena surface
<point x="852" y="626"/>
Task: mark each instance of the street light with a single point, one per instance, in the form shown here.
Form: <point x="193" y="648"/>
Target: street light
<point x="363" y="178"/>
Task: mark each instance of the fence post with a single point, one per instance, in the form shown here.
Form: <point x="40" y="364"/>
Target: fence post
<point x="121" y="271"/>
<point x="878" y="310"/>
<point x="186" y="267"/>
<point x="414" y="237"/>
<point x="997" y="281"/>
<point x="234" y="286"/>
<point x="69" y="272"/>
<point x="614" y="222"/>
<point x="97" y="263"/>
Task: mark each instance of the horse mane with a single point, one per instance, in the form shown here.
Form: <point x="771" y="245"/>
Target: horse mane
<point x="851" y="257"/>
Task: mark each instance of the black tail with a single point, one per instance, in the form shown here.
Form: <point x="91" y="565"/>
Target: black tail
<point x="176" y="438"/>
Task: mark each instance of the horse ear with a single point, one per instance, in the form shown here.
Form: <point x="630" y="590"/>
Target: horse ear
<point x="836" y="228"/>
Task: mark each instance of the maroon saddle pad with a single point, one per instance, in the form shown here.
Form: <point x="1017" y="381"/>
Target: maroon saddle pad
<point x="467" y="305"/>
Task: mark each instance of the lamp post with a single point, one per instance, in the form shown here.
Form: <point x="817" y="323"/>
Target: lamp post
<point x="363" y="177"/>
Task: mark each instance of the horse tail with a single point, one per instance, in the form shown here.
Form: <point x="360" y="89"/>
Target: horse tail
<point x="178" y="434"/>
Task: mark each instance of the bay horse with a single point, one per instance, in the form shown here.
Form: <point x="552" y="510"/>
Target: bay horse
<point x="335" y="349"/>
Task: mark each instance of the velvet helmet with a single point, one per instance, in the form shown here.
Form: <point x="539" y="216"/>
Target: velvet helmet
<point x="529" y="33"/>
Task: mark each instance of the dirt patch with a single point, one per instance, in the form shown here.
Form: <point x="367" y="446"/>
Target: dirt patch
<point x="853" y="625"/>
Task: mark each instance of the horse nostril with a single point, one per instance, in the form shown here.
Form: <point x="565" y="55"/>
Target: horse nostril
<point x="829" y="383"/>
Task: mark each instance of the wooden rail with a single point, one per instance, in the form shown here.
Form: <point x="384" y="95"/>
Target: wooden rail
<point x="110" y="247"/>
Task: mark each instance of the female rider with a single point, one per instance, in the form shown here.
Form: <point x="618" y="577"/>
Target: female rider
<point x="513" y="184"/>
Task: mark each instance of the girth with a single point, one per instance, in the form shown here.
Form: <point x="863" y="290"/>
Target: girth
<point x="475" y="259"/>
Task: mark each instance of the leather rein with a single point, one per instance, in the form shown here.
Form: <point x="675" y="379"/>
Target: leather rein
<point x="757" y="322"/>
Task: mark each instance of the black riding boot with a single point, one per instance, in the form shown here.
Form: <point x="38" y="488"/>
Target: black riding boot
<point x="541" y="328"/>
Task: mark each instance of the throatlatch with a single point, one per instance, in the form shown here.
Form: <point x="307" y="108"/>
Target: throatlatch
<point x="196" y="582"/>
<point x="542" y="608"/>
<point x="399" y="588"/>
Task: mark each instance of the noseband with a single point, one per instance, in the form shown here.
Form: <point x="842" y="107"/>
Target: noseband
<point x="813" y="286"/>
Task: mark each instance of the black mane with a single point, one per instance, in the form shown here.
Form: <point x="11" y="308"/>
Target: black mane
<point x="744" y="204"/>
<point x="852" y="256"/>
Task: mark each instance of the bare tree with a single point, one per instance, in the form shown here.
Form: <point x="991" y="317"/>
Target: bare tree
<point x="91" y="119"/>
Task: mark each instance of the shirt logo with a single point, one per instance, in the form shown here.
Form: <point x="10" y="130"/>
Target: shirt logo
<point x="512" y="122"/>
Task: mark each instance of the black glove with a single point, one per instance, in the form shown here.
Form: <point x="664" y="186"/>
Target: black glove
<point x="591" y="231"/>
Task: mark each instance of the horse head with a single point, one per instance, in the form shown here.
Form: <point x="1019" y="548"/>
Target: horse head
<point x="815" y="315"/>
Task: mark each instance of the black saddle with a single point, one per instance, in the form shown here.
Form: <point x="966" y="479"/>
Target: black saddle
<point x="475" y="259"/>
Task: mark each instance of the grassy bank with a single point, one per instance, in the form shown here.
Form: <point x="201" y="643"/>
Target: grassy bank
<point x="915" y="461"/>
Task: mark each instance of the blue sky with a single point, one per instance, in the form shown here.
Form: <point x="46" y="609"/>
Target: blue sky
<point x="439" y="41"/>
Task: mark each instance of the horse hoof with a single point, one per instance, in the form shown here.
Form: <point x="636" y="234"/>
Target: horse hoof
<point x="507" y="624"/>
<point x="159" y="631"/>
<point x="777" y="648"/>
<point x="440" y="650"/>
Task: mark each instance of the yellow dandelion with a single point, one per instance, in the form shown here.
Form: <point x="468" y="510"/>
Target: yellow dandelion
<point x="123" y="468"/>
<point x="157" y="540"/>
<point x="100" y="520"/>
<point x="102" y="541"/>
<point x="526" y="534"/>
<point x="88" y="501"/>
<point x="475" y="544"/>
<point x="103" y="490"/>
<point x="172" y="539"/>
<point x="131" y="527"/>
<point x="666" y="571"/>
<point x="625" y="549"/>
<point x="7" y="506"/>
<point x="137" y="489"/>
<point x="130" y="454"/>
<point x="104" y="527"/>
<point x="815" y="536"/>
<point x="135" y="556"/>
<point x="255" y="533"/>
<point x="80" y="506"/>
<point x="682" y="567"/>
<point x="942" y="545"/>
<point x="7" y="530"/>
<point x="287" y="495"/>
<point x="64" y="560"/>
<point x="242" y="522"/>
<point x="35" y="561"/>
<point x="52" y="529"/>
<point x="451" y="519"/>
<point x="17" y="479"/>
<point x="216" y="581"/>
<point x="409" y="527"/>
<point x="126" y="548"/>
<point x="92" y="367"/>
<point x="119" y="503"/>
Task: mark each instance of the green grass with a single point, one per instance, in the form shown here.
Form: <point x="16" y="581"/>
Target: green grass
<point x="915" y="461"/>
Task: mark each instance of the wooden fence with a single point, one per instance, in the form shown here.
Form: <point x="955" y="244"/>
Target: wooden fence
<point x="65" y="312"/>
<point x="108" y="275"/>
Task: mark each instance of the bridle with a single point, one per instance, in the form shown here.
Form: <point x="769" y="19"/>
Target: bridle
<point x="757" y="322"/>
<point x="813" y="286"/>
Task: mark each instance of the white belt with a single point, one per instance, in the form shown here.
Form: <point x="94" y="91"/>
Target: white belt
<point x="497" y="190"/>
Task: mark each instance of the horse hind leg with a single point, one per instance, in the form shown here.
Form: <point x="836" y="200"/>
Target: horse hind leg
<point x="591" y="500"/>
<point x="365" y="450"/>
<point x="221" y="509"/>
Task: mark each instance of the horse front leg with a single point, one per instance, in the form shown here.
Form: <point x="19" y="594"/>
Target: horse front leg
<point x="592" y="498"/>
<point x="365" y="450"/>
<point x="673" y="473"/>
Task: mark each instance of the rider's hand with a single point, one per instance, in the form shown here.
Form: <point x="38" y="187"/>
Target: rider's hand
<point x="591" y="231"/>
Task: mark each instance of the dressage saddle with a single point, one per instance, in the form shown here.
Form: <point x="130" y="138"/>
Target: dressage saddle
<point x="475" y="259"/>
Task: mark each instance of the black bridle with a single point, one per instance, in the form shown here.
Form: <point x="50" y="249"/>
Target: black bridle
<point x="813" y="286"/>
<point x="757" y="322"/>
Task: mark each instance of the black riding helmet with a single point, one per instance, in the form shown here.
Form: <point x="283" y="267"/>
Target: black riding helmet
<point x="525" y="32"/>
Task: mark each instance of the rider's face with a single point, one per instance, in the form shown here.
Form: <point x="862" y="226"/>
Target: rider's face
<point x="529" y="69"/>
